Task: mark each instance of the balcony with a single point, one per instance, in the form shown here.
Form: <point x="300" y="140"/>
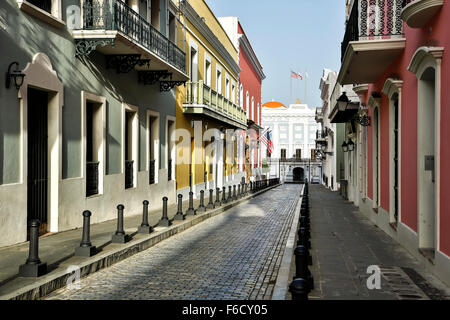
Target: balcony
<point x="128" y="41"/>
<point x="373" y="40"/>
<point x="417" y="13"/>
<point x="202" y="100"/>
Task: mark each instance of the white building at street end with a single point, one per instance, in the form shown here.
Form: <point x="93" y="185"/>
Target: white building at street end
<point x="293" y="131"/>
<point x="294" y="139"/>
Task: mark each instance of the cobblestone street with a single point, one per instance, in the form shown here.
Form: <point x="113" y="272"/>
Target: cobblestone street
<point x="235" y="255"/>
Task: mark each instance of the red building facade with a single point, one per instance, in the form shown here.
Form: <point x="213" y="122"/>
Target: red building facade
<point x="250" y="84"/>
<point x="406" y="146"/>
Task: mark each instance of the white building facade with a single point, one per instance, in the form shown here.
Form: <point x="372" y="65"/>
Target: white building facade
<point x="293" y="131"/>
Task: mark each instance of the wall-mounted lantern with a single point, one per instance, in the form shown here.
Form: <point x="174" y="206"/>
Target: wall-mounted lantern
<point x="351" y="145"/>
<point x="15" y="75"/>
<point x="345" y="147"/>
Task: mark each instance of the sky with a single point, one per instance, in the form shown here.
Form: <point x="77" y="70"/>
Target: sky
<point x="298" y="35"/>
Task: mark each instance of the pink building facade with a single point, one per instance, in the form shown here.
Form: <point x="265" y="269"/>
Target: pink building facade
<point x="396" y="58"/>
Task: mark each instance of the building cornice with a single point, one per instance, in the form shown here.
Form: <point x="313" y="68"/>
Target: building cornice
<point x="246" y="46"/>
<point x="201" y="26"/>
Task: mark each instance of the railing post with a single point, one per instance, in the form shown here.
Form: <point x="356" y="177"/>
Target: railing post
<point x="180" y="216"/>
<point x="120" y="236"/>
<point x="200" y="92"/>
<point x="86" y="249"/>
<point x="33" y="266"/>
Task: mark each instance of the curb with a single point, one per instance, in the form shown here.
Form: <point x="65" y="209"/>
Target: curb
<point x="86" y="266"/>
<point x="283" y="279"/>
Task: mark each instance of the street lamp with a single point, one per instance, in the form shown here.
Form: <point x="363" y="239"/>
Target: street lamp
<point x="345" y="147"/>
<point x="323" y="147"/>
<point x="351" y="145"/>
<point x="342" y="102"/>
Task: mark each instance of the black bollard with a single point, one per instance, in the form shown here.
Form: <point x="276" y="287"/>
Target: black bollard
<point x="301" y="265"/>
<point x="201" y="207"/>
<point x="234" y="193"/>
<point x="120" y="236"/>
<point x="224" y="195"/>
<point x="230" y="198"/>
<point x="304" y="222"/>
<point x="299" y="289"/>
<point x="86" y="249"/>
<point x="191" y="211"/>
<point x="164" y="222"/>
<point x="33" y="266"/>
<point x="251" y="186"/>
<point x="180" y="216"/>
<point x="211" y="205"/>
<point x="239" y="191"/>
<point x="145" y="227"/>
<point x="217" y="203"/>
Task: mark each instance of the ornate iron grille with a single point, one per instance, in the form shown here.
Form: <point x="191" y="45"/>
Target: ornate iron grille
<point x="406" y="2"/>
<point x="152" y="172"/>
<point x="116" y="15"/>
<point x="91" y="178"/>
<point x="129" y="168"/>
<point x="371" y="19"/>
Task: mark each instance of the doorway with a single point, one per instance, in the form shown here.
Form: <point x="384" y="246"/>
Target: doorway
<point x="299" y="175"/>
<point x="37" y="182"/>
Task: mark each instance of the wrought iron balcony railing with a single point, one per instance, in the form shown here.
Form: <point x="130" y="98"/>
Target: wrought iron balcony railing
<point x="198" y="93"/>
<point x="129" y="169"/>
<point x="116" y="15"/>
<point x="152" y="172"/>
<point x="371" y="19"/>
<point x="406" y="2"/>
<point x="91" y="178"/>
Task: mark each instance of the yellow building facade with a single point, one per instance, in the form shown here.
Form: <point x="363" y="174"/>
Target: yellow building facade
<point x="208" y="158"/>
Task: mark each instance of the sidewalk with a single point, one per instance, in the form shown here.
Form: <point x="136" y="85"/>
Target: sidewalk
<point x="345" y="243"/>
<point x="58" y="249"/>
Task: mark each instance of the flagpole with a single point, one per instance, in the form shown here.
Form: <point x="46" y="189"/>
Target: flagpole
<point x="290" y="96"/>
<point x="306" y="86"/>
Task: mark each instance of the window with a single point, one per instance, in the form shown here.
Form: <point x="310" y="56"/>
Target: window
<point x="155" y="16"/>
<point x="48" y="11"/>
<point x="45" y="5"/>
<point x="233" y="93"/>
<point x="219" y="81"/>
<point x="194" y="65"/>
<point x="298" y="153"/>
<point x="247" y="105"/>
<point x="283" y="154"/>
<point x="153" y="146"/>
<point x="172" y="27"/>
<point x="208" y="72"/>
<point x="170" y="143"/>
<point x="227" y="88"/>
<point x="241" y="96"/>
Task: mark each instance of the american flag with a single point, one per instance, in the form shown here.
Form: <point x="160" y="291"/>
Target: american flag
<point x="266" y="138"/>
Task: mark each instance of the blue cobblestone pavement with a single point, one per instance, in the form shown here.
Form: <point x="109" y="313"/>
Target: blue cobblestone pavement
<point x="232" y="256"/>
